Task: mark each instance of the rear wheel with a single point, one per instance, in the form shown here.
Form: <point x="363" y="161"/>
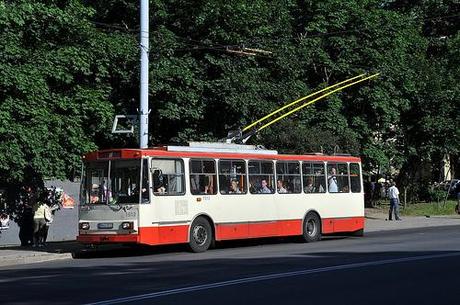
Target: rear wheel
<point x="200" y="235"/>
<point x="312" y="228"/>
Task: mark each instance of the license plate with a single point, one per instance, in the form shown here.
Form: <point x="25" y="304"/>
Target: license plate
<point x="105" y="225"/>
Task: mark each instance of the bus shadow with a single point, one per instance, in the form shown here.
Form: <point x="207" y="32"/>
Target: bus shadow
<point x="112" y="251"/>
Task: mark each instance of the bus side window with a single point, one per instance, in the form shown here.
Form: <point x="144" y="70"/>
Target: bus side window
<point x="232" y="177"/>
<point x="203" y="177"/>
<point x="261" y="177"/>
<point x="342" y="169"/>
<point x="168" y="177"/>
<point x="337" y="178"/>
<point x="314" y="180"/>
<point x="288" y="177"/>
<point x="355" y="178"/>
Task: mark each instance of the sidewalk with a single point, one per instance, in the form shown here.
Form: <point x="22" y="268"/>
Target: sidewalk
<point x="375" y="221"/>
<point x="16" y="255"/>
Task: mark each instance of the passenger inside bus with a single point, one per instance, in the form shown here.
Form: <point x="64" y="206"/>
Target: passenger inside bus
<point x="264" y="189"/>
<point x="332" y="181"/>
<point x="234" y="188"/>
<point x="159" y="182"/>
<point x="94" y="195"/>
<point x="202" y="184"/>
<point x="253" y="185"/>
<point x="309" y="187"/>
<point x="281" y="188"/>
<point x="209" y="184"/>
<point x="144" y="188"/>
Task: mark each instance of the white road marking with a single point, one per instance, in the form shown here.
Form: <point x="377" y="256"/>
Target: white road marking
<point x="260" y="278"/>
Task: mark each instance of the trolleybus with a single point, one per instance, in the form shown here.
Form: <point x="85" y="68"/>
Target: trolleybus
<point x="208" y="192"/>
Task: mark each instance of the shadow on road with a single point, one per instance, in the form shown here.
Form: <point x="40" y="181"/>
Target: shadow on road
<point x="108" y="251"/>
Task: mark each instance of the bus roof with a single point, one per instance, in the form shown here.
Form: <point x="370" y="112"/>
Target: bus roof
<point x="221" y="150"/>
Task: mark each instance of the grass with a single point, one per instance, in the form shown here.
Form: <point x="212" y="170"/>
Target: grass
<point x="430" y="208"/>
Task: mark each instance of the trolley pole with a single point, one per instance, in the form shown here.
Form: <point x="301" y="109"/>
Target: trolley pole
<point x="144" y="91"/>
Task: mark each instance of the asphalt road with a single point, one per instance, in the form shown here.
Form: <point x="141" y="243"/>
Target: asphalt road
<point x="417" y="266"/>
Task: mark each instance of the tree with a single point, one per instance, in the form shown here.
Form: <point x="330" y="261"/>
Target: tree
<point x="58" y="74"/>
<point x="69" y="66"/>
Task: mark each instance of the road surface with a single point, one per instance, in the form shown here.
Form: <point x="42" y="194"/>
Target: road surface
<point x="416" y="266"/>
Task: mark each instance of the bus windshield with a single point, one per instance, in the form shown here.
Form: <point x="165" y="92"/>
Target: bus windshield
<point x="114" y="182"/>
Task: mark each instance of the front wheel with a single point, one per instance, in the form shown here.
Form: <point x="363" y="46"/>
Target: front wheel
<point x="200" y="235"/>
<point x="312" y="228"/>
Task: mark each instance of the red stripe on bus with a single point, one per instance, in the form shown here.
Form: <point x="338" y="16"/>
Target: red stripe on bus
<point x="179" y="234"/>
<point x="134" y="153"/>
<point x="337" y="225"/>
<point x="164" y="235"/>
<point x="258" y="229"/>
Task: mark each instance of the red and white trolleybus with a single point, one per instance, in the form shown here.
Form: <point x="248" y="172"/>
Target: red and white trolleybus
<point x="208" y="192"/>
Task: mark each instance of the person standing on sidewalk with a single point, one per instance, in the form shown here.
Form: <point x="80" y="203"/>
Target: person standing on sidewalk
<point x="457" y="193"/>
<point x="25" y="215"/>
<point x="49" y="216"/>
<point x="41" y="215"/>
<point x="393" y="194"/>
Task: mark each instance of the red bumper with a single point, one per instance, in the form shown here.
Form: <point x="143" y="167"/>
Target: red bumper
<point x="106" y="238"/>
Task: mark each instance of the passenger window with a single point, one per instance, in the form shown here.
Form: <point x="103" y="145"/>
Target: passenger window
<point x="168" y="177"/>
<point x="355" y="178"/>
<point x="314" y="180"/>
<point x="288" y="177"/>
<point x="203" y="177"/>
<point x="337" y="178"/>
<point x="232" y="177"/>
<point x="261" y="177"/>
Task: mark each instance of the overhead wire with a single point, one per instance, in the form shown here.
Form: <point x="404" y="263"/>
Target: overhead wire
<point x="316" y="99"/>
<point x="300" y="100"/>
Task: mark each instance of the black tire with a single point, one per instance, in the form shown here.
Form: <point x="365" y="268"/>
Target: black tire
<point x="201" y="236"/>
<point x="311" y="228"/>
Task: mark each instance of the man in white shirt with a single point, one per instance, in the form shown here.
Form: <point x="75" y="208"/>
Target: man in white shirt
<point x="393" y="194"/>
<point x="332" y="181"/>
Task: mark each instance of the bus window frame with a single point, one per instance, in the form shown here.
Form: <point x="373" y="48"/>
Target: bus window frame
<point x="272" y="161"/>
<point x="216" y="174"/>
<point x="157" y="194"/>
<point x="324" y="177"/>
<point x="360" y="177"/>
<point x="246" y="189"/>
<point x="300" y="174"/>
<point x="337" y="163"/>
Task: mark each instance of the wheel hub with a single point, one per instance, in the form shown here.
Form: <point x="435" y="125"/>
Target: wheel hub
<point x="311" y="227"/>
<point x="200" y="235"/>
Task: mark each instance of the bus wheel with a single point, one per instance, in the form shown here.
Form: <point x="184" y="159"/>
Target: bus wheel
<point x="312" y="228"/>
<point x="200" y="235"/>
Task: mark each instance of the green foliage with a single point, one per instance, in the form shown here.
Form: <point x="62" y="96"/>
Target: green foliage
<point x="56" y="77"/>
<point x="430" y="209"/>
<point x="66" y="67"/>
<point x="436" y="195"/>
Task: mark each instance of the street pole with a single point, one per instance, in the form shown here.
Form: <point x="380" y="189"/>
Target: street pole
<point x="144" y="91"/>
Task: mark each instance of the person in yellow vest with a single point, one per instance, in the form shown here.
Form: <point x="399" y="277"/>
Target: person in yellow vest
<point x="41" y="216"/>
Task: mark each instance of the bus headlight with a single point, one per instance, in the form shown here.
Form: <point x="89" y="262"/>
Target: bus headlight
<point x="127" y="225"/>
<point x="84" y="225"/>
